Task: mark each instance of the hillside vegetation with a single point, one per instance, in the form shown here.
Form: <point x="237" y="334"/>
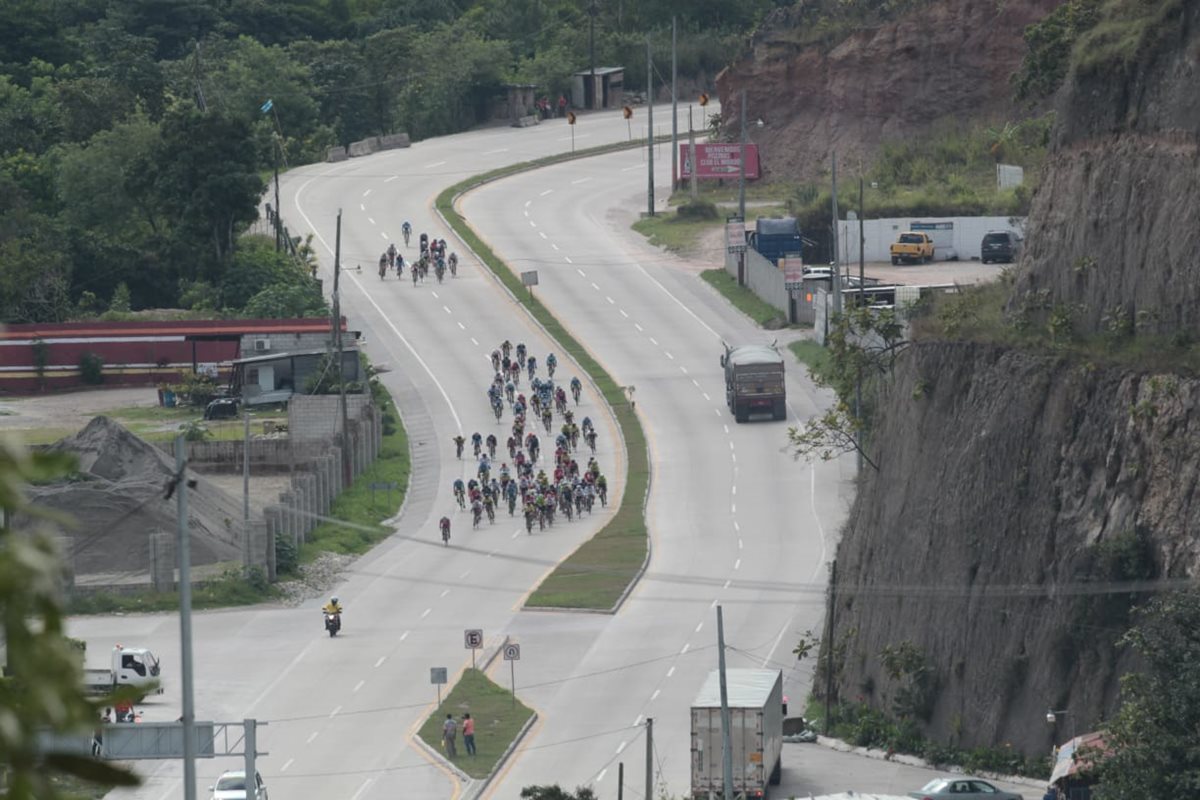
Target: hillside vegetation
<point x="135" y="135"/>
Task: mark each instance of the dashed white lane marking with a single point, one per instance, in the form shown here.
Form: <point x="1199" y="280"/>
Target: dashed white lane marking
<point x="734" y="457"/>
<point x="464" y="575"/>
<point x="718" y="411"/>
<point x="637" y="721"/>
<point x="733" y="490"/>
<point x="695" y="383"/>
<point x="739" y="544"/>
<point x="532" y="224"/>
<point x="726" y="586"/>
<point x="626" y="169"/>
<point x="543" y="194"/>
<point x="435" y="294"/>
<point x="609" y="299"/>
<point x="726" y="427"/>
<point x="552" y="244"/>
<point x="654" y="696"/>
<point x="683" y="369"/>
<point x="580" y="180"/>
<point x="527" y="202"/>
<point x="462" y="327"/>
<point x="286" y="764"/>
<point x="384" y="235"/>
<point x="733" y="508"/>
<point x="312" y="737"/>
<point x="474" y="341"/>
<point x="367" y="193"/>
<point x="334" y="713"/>
<point x="358" y="685"/>
<point x="446" y="309"/>
<point x="670" y="672"/>
<point x="379" y="663"/>
<point x="736" y="526"/>
<point x="404" y="635"/>
<point x="667" y="353"/>
<point x="603" y="772"/>
<point x="516" y="533"/>
<point x="621" y="747"/>
<point x="371" y="220"/>
<point x="706" y="397"/>
<point x="434" y="164"/>
<point x="639" y="328"/>
<point x="362" y="788"/>
<point x="737" y="564"/>
<point x="362" y="207"/>
<point x="582" y="274"/>
<point x="569" y="261"/>
<point x="686" y="647"/>
<point x="654" y="341"/>
<point x="699" y="625"/>
<point x="623" y="314"/>
<point x="731" y="445"/>
<point x="542" y="234"/>
<point x="493" y="152"/>
<point x="426" y="613"/>
<point x="445" y="592"/>
<point x="389" y="180"/>
<point x="594" y="286"/>
<point x="526" y="209"/>
<point x="713" y="604"/>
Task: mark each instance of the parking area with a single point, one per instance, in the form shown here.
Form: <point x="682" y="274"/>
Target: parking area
<point x="934" y="274"/>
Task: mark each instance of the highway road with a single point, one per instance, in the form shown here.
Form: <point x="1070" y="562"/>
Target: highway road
<point x="734" y="519"/>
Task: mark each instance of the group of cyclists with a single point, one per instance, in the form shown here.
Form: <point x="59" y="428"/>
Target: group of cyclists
<point x="433" y="256"/>
<point x="567" y="488"/>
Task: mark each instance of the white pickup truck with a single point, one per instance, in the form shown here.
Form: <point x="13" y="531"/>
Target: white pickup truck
<point x="131" y="666"/>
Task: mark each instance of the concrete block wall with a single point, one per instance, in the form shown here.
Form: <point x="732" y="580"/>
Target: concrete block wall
<point x="335" y="154"/>
<point x="284" y="342"/>
<point x="318" y="416"/>
<point x="762" y="277"/>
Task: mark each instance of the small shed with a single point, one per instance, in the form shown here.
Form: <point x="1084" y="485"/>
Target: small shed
<point x="600" y="88"/>
<point x="274" y="378"/>
<point x="519" y="100"/>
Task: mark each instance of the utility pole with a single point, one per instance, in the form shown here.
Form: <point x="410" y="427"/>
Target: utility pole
<point x="742" y="165"/>
<point x="692" y="155"/>
<point x="862" y="300"/>
<point x="196" y="75"/>
<point x="278" y="218"/>
<point x="620" y="780"/>
<point x="837" y="261"/>
<point x="726" y="723"/>
<point x="246" y="485"/>
<point x="649" y="757"/>
<point x="250" y="737"/>
<point x="674" y="114"/>
<point x="592" y="51"/>
<point x="649" y="131"/>
<point x="185" y="621"/>
<point x="828" y="645"/>
<point x="337" y="338"/>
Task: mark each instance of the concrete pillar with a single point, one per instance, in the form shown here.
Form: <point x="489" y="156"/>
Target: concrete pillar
<point x="287" y="518"/>
<point x="321" y="474"/>
<point x="162" y="561"/>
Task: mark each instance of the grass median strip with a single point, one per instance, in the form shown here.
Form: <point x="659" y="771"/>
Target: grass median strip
<point x="499" y="718"/>
<point x="597" y="574"/>
<point x="743" y="299"/>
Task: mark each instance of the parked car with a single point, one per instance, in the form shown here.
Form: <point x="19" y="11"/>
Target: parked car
<point x="1000" y="246"/>
<point x="232" y="786"/>
<point x="912" y="248"/>
<point x="961" y="787"/>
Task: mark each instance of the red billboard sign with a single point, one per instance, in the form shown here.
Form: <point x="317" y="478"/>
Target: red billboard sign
<point x="722" y="160"/>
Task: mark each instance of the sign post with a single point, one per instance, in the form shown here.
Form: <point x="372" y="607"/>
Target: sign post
<point x="437" y="676"/>
<point x="473" y="640"/>
<point x="512" y="654"/>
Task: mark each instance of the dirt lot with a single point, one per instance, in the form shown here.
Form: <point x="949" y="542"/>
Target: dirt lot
<point x="935" y="274"/>
<point x="70" y="411"/>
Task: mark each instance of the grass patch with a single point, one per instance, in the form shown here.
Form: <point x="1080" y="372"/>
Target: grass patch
<point x="743" y="299"/>
<point x="727" y="192"/>
<point x="231" y="589"/>
<point x="811" y="354"/>
<point x="498" y="717"/>
<point x="672" y="233"/>
<point x="356" y="505"/>
<point x="598" y="572"/>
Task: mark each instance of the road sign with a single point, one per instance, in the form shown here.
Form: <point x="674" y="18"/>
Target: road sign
<point x="437" y="675"/>
<point x="529" y="278"/>
<point x="703" y="99"/>
<point x="473" y="639"/>
<point x="627" y="111"/>
<point x="512" y="652"/>
<point x="721" y="160"/>
<point x="570" y="117"/>
<point x="793" y="273"/>
<point x="735" y="235"/>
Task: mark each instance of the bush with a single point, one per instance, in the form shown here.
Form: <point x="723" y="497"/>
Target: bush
<point x="287" y="556"/>
<point x="91" y="368"/>
<point x="698" y="210"/>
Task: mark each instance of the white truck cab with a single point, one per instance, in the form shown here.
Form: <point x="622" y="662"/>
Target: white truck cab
<point x="130" y="666"/>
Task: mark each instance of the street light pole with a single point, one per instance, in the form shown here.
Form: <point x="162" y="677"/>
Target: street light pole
<point x="649" y="131"/>
<point x="674" y="115"/>
<point x="742" y="165"/>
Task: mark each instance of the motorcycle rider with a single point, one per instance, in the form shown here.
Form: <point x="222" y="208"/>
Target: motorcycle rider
<point x="333" y="607"/>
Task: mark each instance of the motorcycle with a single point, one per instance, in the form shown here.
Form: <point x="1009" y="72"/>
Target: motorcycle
<point x="333" y="623"/>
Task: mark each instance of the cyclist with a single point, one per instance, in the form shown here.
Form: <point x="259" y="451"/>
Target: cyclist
<point x="506" y="348"/>
<point x="453" y="262"/>
<point x="460" y="493"/>
<point x="391" y="254"/>
<point x="521" y="353"/>
<point x="551" y="363"/>
<point x="445" y="526"/>
<point x="491" y="445"/>
<point x="406" y="229"/>
<point x="576" y="389"/>
<point x="477" y="442"/>
<point x="459" y="441"/>
<point x="531" y="365"/>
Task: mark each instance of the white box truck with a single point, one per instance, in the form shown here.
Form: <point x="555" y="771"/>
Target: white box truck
<point x="756" y="733"/>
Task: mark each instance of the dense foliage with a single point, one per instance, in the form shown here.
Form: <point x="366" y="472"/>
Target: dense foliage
<point x="135" y="134"/>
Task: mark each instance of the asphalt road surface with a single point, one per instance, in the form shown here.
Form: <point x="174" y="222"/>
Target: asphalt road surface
<point x="735" y="520"/>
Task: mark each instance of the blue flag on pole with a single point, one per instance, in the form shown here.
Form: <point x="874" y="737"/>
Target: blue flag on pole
<point x="267" y="106"/>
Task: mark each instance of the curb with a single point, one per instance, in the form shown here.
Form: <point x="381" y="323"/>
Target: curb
<point x="473" y="791"/>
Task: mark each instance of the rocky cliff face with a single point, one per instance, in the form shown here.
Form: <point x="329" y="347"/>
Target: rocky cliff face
<point x="1001" y="475"/>
<point x="950" y="59"/>
<point x="1114" y="235"/>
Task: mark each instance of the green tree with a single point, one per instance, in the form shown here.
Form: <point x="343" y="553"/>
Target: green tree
<point x="556" y="792"/>
<point x="256" y="266"/>
<point x="287" y="301"/>
<point x="1153" y="737"/>
<point x="43" y="686"/>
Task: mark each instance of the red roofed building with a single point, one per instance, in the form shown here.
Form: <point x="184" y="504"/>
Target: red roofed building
<point x="46" y="357"/>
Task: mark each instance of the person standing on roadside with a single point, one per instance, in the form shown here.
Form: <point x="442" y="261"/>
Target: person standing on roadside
<point x="449" y="735"/>
<point x="562" y="105"/>
<point x="468" y="726"/>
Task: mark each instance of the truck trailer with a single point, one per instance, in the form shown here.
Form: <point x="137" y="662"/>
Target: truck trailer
<point x="755" y="699"/>
<point x="754" y="381"/>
